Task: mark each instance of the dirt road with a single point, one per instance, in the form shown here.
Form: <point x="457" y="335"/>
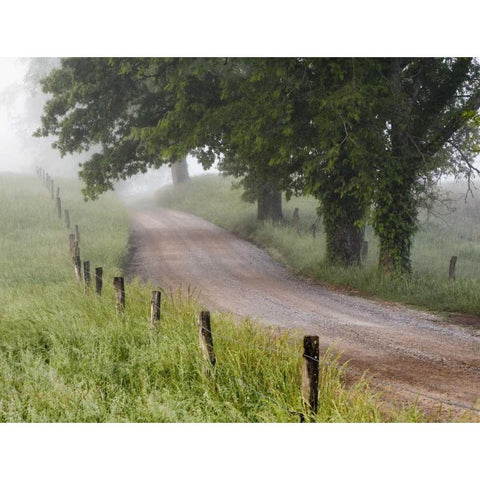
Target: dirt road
<point x="404" y="351"/>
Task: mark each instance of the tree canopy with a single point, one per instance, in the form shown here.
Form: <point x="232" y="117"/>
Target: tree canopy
<point x="366" y="136"/>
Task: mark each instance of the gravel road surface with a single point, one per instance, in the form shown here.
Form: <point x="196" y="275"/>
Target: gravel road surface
<point x="404" y="351"/>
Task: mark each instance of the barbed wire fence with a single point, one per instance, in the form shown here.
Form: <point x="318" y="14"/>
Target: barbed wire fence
<point x="310" y="357"/>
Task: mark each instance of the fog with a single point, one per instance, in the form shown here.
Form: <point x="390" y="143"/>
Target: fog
<point x="20" y="110"/>
<point x="21" y="105"/>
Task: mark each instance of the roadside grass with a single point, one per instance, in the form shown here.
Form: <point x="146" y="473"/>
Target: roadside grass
<point x="66" y="356"/>
<point x="438" y="238"/>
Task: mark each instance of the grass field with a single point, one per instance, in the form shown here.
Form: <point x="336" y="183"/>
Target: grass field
<point x="66" y="356"/>
<point x="439" y="237"/>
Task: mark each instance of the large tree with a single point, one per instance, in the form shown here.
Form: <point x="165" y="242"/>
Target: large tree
<point x="358" y="134"/>
<point x="428" y="104"/>
<point x="226" y="112"/>
<point x="97" y="104"/>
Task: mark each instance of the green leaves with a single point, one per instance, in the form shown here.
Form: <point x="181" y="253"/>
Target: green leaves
<point x="358" y="134"/>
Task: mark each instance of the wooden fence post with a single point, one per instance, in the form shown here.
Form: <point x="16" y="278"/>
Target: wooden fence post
<point x="98" y="280"/>
<point x="59" y="207"/>
<point x="77" y="267"/>
<point x="451" y="269"/>
<point x="67" y="218"/>
<point x="52" y="191"/>
<point x="77" y="234"/>
<point x="75" y="249"/>
<point x="206" y="341"/>
<point x="155" y="307"/>
<point x="296" y="220"/>
<point x="119" y="287"/>
<point x="71" y="243"/>
<point x="311" y="353"/>
<point x="86" y="274"/>
<point x="58" y="192"/>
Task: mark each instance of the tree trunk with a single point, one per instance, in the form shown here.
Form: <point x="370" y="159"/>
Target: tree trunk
<point x="341" y="215"/>
<point x="343" y="211"/>
<point x="344" y="243"/>
<point x="395" y="206"/>
<point x="180" y="172"/>
<point x="269" y="205"/>
<point x="395" y="225"/>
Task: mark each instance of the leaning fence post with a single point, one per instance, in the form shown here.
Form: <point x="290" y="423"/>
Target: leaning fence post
<point x="98" y="280"/>
<point x="451" y="270"/>
<point x="119" y="287"/>
<point x="67" y="218"/>
<point x="155" y="307"/>
<point x="59" y="207"/>
<point x="311" y="353"/>
<point x="206" y="341"/>
<point x="77" y="234"/>
<point x="86" y="274"/>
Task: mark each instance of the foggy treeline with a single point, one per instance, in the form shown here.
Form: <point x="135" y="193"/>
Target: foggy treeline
<point x="21" y="106"/>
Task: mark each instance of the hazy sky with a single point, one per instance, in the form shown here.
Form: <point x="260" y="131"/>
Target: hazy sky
<point x="18" y="151"/>
<point x="12" y="71"/>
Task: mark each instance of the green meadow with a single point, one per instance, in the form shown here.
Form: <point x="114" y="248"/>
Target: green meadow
<point x="67" y="356"/>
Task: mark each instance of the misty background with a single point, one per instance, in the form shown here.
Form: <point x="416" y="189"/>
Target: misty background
<point x="21" y="104"/>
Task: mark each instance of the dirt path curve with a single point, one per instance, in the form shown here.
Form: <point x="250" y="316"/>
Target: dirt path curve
<point x="402" y="349"/>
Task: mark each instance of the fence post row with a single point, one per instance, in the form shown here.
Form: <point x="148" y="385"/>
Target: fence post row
<point x="310" y="369"/>
<point x="119" y="287"/>
<point x="310" y="365"/>
<point x="206" y="342"/>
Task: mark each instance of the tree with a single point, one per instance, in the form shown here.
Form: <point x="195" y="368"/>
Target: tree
<point x="180" y="172"/>
<point x="100" y="103"/>
<point x="216" y="101"/>
<point x="359" y="134"/>
<point x="428" y="105"/>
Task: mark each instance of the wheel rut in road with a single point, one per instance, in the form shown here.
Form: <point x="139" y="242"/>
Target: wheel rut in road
<point x="403" y="350"/>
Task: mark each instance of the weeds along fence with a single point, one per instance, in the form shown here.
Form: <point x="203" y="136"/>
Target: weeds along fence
<point x="311" y="350"/>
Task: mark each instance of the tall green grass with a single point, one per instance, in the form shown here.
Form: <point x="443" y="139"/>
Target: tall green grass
<point x="455" y="232"/>
<point x="66" y="356"/>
